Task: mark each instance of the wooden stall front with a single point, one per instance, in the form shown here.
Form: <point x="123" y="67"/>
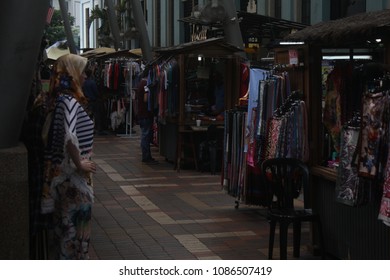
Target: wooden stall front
<point x="197" y="62"/>
<point x="358" y="43"/>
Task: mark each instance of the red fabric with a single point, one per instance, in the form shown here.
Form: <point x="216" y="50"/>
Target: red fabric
<point x="244" y="79"/>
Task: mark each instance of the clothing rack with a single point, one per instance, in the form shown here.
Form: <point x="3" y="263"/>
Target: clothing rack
<point x="248" y="135"/>
<point x="129" y="89"/>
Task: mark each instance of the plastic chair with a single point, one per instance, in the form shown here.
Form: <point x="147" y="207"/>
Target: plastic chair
<point x="286" y="179"/>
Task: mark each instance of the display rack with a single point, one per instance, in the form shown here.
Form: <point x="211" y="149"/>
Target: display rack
<point x="130" y="93"/>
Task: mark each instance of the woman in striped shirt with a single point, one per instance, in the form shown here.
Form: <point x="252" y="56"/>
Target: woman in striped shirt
<point x="68" y="189"/>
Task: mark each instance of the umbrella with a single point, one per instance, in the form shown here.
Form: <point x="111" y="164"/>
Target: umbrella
<point x="57" y="50"/>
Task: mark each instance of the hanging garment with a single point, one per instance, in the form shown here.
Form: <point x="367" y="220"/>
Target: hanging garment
<point x="332" y="109"/>
<point x="372" y="133"/>
<point x="244" y="79"/>
<point x="255" y="76"/>
<point x="116" y="74"/>
<point x="348" y="182"/>
<point x="272" y="137"/>
<point x="384" y="211"/>
<point x="251" y="142"/>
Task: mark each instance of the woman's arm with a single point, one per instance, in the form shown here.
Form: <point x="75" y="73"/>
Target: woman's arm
<point x="82" y="165"/>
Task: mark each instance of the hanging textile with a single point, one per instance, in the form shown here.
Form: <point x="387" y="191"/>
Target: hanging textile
<point x="266" y="92"/>
<point x="239" y="179"/>
<point x="384" y="211"/>
<point x="332" y="108"/>
<point x="244" y="79"/>
<point x="287" y="134"/>
<point x="234" y="158"/>
<point x="163" y="82"/>
<point x="349" y="184"/>
<point x="255" y="77"/>
<point x="372" y="132"/>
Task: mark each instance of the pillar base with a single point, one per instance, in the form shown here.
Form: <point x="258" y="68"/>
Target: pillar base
<point x="14" y="204"/>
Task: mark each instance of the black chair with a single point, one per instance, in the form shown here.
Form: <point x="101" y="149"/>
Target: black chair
<point x="286" y="180"/>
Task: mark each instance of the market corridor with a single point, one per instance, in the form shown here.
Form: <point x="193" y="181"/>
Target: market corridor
<point x="152" y="212"/>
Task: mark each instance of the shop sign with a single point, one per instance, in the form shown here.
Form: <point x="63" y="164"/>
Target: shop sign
<point x="293" y="57"/>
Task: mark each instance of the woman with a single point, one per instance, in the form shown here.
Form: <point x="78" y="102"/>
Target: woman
<point x="68" y="190"/>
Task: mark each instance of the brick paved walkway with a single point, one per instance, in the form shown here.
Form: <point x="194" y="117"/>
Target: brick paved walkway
<point x="154" y="212"/>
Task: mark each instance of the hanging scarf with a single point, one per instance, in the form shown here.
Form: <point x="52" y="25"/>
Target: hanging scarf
<point x="384" y="211"/>
<point x="372" y="132"/>
<point x="348" y="181"/>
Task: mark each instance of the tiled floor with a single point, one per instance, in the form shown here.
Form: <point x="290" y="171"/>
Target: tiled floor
<point x="154" y="212"/>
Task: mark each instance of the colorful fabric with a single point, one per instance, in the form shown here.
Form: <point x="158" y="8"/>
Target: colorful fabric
<point x="348" y="181"/>
<point x="332" y="109"/>
<point x="384" y="211"/>
<point x="371" y="133"/>
<point x="272" y="137"/>
<point x="72" y="221"/>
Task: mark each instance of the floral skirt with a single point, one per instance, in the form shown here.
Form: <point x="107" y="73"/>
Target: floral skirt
<point x="72" y="221"/>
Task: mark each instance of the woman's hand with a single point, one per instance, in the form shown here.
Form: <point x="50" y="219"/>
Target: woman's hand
<point x="84" y="165"/>
<point x="87" y="166"/>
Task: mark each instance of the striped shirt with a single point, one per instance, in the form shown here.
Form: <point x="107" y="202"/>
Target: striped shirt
<point x="70" y="122"/>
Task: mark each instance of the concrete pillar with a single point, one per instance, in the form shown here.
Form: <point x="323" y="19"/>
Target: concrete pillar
<point x="178" y="13"/>
<point x="21" y="28"/>
<point x="140" y="24"/>
<point x="14" y="204"/>
<point x="288" y="9"/>
<point x="164" y="17"/>
<point x="375" y="5"/>
<point x="67" y="27"/>
<point x="262" y="7"/>
<point x="231" y="26"/>
<point x="320" y="11"/>
<point x="114" y="27"/>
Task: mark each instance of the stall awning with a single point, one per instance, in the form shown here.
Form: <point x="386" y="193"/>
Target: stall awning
<point x="216" y="47"/>
<point x="57" y="50"/>
<point x="356" y="29"/>
<point x="97" y="52"/>
<point x="267" y="27"/>
<point x="251" y="23"/>
<point x="104" y="53"/>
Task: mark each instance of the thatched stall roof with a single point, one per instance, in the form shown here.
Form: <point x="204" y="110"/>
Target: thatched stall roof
<point x="252" y="23"/>
<point x="105" y="53"/>
<point x="216" y="47"/>
<point x="356" y="29"/>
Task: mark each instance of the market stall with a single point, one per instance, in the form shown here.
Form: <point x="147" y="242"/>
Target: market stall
<point x="116" y="74"/>
<point x="345" y="72"/>
<point x="182" y="82"/>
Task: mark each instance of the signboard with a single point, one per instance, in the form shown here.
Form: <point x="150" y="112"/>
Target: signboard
<point x="293" y="57"/>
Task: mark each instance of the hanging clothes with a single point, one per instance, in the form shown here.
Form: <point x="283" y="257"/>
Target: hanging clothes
<point x="255" y="77"/>
<point x="348" y="182"/>
<point x="384" y="210"/>
<point x="163" y="82"/>
<point x="332" y="108"/>
<point x="287" y="132"/>
<point x="266" y="92"/>
<point x="372" y="132"/>
<point x="252" y="134"/>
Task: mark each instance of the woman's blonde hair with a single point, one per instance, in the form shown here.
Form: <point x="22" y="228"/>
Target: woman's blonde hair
<point x="73" y="66"/>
